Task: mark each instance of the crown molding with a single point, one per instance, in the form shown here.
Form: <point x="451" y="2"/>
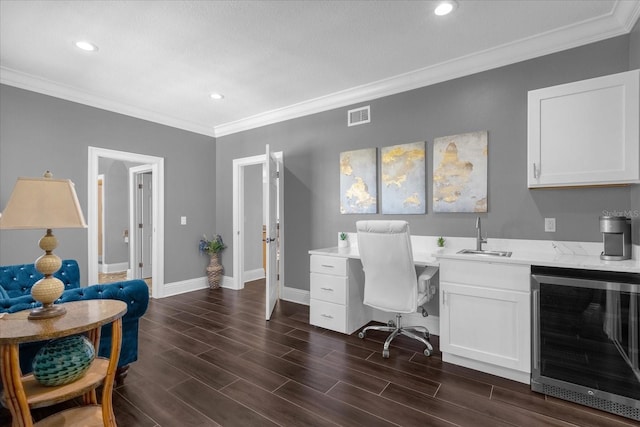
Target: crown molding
<point x="619" y="21"/>
<point x="47" y="87"/>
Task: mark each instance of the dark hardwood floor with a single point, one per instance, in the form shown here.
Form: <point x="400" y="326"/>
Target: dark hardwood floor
<point x="208" y="358"/>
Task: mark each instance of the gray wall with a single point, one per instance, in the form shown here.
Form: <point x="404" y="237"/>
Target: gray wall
<point x="39" y="132"/>
<point x="252" y="218"/>
<point x="495" y="101"/>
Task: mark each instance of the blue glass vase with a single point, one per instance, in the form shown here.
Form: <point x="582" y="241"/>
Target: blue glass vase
<point x="63" y="360"/>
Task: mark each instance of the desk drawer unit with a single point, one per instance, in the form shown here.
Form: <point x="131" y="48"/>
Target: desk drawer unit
<point x="329" y="265"/>
<point x="329" y="288"/>
<point x="336" y="290"/>
<point x="328" y="315"/>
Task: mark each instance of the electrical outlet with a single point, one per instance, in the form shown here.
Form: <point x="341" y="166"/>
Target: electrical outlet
<point x="550" y="225"/>
<point x="183" y="220"/>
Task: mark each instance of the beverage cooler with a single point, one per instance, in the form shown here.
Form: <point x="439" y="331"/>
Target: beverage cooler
<point x="586" y="336"/>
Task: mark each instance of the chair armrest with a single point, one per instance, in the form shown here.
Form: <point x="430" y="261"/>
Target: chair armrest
<point x="134" y="292"/>
<point x="426" y="283"/>
<point x="11" y="305"/>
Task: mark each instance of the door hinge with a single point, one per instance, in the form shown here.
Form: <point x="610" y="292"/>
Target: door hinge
<point x="140" y="264"/>
<point x="140" y="225"/>
<point x="139" y="186"/>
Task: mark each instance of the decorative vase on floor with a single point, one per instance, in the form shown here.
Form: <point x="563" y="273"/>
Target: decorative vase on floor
<point x="214" y="272"/>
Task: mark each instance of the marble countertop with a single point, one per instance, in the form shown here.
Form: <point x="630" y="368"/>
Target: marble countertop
<point x="583" y="255"/>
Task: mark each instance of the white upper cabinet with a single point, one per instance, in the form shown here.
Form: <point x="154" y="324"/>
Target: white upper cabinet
<point x="585" y="133"/>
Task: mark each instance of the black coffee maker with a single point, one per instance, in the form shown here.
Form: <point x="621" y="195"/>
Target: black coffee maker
<point x="616" y="236"/>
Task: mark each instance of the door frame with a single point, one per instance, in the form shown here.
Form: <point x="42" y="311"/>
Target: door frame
<point x="238" y="215"/>
<point x="133" y="235"/>
<point x="157" y="165"/>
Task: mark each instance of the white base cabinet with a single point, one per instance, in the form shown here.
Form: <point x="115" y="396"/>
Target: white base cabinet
<point x="485" y="317"/>
<point x="336" y="291"/>
<point x="585" y="133"/>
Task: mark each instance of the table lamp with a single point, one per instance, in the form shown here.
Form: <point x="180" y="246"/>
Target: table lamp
<point x="44" y="203"/>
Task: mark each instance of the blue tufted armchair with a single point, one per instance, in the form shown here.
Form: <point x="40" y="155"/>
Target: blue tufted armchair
<point x="15" y="295"/>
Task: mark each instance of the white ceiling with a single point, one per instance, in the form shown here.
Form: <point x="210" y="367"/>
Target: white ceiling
<point x="275" y="60"/>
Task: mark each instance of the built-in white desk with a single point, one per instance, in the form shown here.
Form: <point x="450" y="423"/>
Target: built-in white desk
<point x="479" y="296"/>
<point x="337" y="290"/>
<point x="420" y="258"/>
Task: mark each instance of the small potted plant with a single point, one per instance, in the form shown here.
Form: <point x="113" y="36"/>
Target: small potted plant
<point x="441" y="242"/>
<point x="343" y="240"/>
<point x="213" y="247"/>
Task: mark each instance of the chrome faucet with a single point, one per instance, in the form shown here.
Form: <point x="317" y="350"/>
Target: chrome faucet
<point x="479" y="239"/>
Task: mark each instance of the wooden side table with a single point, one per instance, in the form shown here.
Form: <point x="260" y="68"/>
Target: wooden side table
<point x="23" y="393"/>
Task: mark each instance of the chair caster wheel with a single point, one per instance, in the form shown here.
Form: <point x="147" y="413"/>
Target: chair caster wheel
<point x="424" y="313"/>
<point x="385" y="354"/>
<point x="427" y="352"/>
<point x="391" y="323"/>
<point x="361" y="335"/>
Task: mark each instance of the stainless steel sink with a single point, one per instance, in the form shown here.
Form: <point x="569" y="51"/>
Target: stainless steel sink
<point x="486" y="253"/>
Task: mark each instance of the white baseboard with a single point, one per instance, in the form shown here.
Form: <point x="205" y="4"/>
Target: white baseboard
<point x="227" y="282"/>
<point x="185" y="286"/>
<point x="114" y="268"/>
<point x="252" y="275"/>
<point x="298" y="296"/>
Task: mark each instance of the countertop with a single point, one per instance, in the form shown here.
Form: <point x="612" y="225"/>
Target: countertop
<point x="583" y="255"/>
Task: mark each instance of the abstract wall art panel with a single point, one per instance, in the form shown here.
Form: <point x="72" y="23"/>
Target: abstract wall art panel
<point x="403" y="179"/>
<point x="460" y="173"/>
<point x="358" y="181"/>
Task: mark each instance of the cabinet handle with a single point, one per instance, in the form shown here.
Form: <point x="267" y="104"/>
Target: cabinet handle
<point x="326" y="266"/>
<point x="534" y="321"/>
<point x="327" y="289"/>
<point x="326" y="316"/>
<point x="536" y="172"/>
<point x="444" y="297"/>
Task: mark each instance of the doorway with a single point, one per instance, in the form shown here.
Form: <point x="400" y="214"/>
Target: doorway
<point x="241" y="206"/>
<point x="156" y="166"/>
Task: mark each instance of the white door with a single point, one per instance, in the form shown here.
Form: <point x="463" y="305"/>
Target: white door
<point x="270" y="206"/>
<point x="146" y="241"/>
<point x="141" y="221"/>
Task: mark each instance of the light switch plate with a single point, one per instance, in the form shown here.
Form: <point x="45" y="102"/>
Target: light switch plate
<point x="550" y="225"/>
<point x="183" y="220"/>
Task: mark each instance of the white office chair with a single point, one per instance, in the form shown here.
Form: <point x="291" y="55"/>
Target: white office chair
<point x="390" y="281"/>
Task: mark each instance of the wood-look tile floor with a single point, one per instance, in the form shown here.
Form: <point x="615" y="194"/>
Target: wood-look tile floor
<point x="208" y="358"/>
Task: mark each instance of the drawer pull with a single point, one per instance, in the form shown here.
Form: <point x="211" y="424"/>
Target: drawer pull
<point x="327" y="289"/>
<point x="326" y="316"/>
<point x="326" y="266"/>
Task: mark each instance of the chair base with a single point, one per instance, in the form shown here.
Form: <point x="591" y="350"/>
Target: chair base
<point x="397" y="329"/>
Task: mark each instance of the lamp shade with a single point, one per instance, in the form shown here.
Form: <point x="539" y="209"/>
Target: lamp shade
<point x="42" y="203"/>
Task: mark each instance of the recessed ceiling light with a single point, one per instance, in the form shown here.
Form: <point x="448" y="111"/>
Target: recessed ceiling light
<point x="445" y="7"/>
<point x="216" y="95"/>
<point x="86" y="46"/>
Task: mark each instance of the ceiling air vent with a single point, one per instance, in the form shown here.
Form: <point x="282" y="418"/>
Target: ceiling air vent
<point x="359" y="116"/>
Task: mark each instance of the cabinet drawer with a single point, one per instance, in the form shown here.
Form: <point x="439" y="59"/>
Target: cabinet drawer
<point x="329" y="288"/>
<point x="328" y="315"/>
<point x="329" y="265"/>
<point x="515" y="277"/>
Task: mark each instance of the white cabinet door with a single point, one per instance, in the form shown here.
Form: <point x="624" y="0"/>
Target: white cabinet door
<point x="585" y="133"/>
<point x="485" y="324"/>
